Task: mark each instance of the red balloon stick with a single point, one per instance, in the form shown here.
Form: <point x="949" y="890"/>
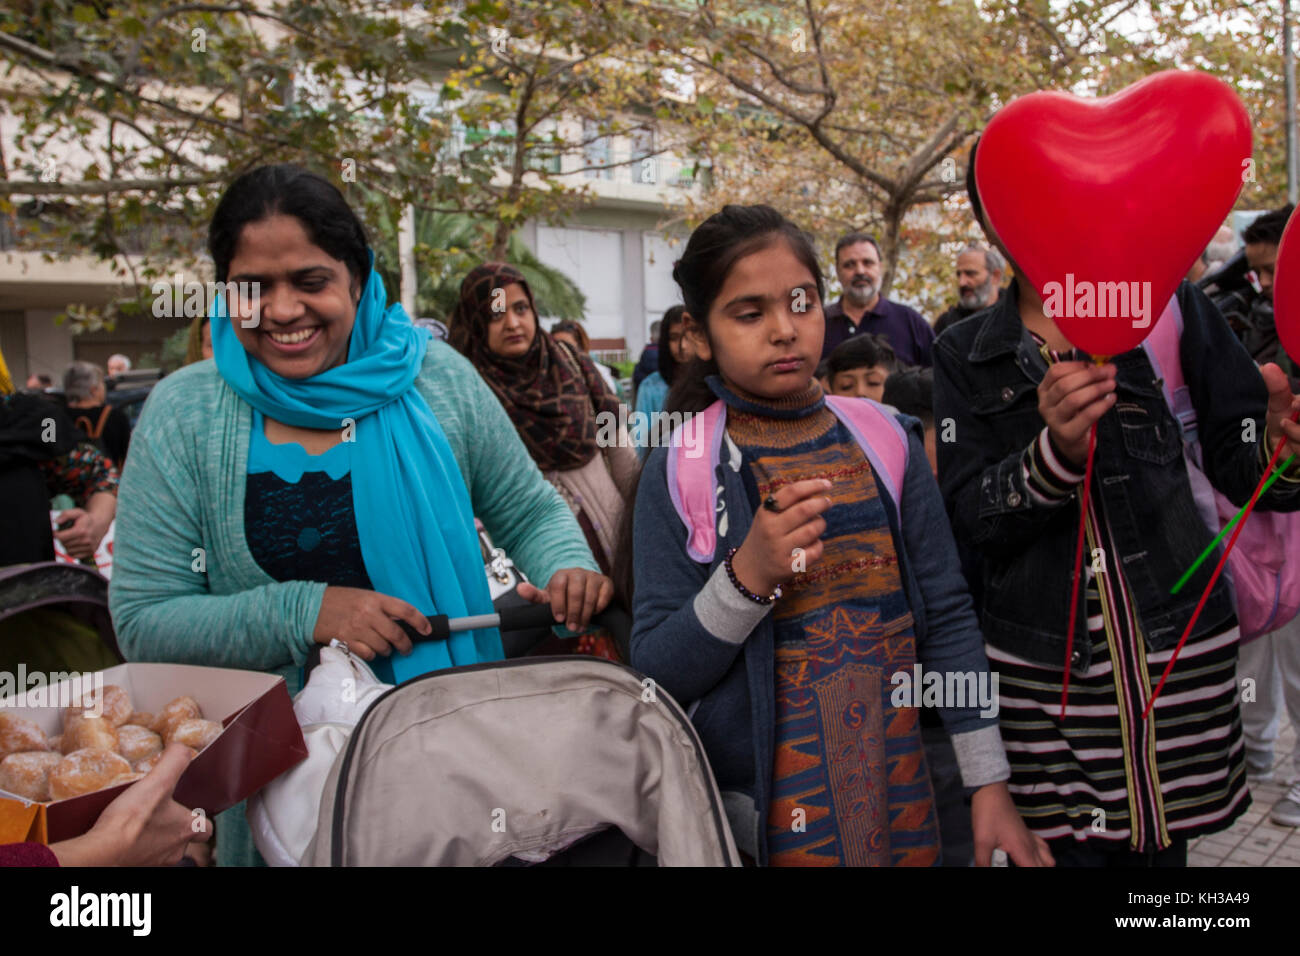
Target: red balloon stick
<point x="1223" y="560"/>
<point x="1078" y="562"/>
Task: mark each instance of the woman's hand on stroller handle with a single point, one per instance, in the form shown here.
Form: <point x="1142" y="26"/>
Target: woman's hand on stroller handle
<point x="367" y="622"/>
<point x="574" y="595"/>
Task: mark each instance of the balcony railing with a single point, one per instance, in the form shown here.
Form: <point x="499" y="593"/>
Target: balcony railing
<point x="35" y="234"/>
<point x="618" y="166"/>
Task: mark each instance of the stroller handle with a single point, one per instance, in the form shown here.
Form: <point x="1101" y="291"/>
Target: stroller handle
<point x="613" y="618"/>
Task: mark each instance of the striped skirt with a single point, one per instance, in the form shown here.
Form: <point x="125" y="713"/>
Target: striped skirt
<point x="1106" y="774"/>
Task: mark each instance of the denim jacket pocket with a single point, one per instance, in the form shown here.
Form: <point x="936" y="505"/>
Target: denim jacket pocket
<point x="1149" y="429"/>
<point x="1015" y="398"/>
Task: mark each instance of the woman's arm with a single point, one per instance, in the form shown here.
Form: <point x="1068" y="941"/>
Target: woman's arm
<point x="90" y="478"/>
<point x="159" y="595"/>
<point x="952" y="642"/>
<point x="985" y="487"/>
<point x="689" y="625"/>
<point x="80" y="474"/>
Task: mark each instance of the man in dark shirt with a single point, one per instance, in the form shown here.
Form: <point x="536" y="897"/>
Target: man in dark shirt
<point x="980" y="271"/>
<point x="863" y="309"/>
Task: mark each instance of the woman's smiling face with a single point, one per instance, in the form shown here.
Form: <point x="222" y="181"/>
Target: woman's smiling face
<point x="307" y="299"/>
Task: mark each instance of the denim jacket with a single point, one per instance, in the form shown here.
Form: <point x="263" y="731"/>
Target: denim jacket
<point x="731" y="683"/>
<point x="986" y="375"/>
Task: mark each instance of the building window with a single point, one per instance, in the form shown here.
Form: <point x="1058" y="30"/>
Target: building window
<point x="596" y="152"/>
<point x="645" y="165"/>
<point x="544" y="147"/>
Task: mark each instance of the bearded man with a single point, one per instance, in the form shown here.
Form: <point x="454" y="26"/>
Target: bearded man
<point x="861" y="307"/>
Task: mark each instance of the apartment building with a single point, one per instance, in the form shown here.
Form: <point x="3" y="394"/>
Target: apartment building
<point x="614" y="248"/>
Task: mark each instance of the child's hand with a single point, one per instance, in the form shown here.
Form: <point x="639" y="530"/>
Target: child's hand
<point x="574" y="594"/>
<point x="1071" y="397"/>
<point x="765" y="559"/>
<point x="996" y="824"/>
<point x="1281" y="406"/>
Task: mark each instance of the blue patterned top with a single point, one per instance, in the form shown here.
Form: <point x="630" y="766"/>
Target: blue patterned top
<point x="298" y="514"/>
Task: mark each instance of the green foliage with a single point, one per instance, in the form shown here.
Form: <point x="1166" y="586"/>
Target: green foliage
<point x="449" y="245"/>
<point x="137" y="114"/>
<point x="174" y="348"/>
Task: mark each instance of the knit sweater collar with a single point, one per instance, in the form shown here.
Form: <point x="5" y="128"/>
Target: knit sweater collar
<point x="797" y="405"/>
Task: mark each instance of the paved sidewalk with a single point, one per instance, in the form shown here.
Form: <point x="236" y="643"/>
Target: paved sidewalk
<point x="1253" y="840"/>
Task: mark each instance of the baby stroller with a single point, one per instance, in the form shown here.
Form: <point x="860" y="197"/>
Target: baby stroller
<point x="554" y="760"/>
<point x="54" y="618"/>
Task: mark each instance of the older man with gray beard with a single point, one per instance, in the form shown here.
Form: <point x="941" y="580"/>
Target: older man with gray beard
<point x="980" y="271"/>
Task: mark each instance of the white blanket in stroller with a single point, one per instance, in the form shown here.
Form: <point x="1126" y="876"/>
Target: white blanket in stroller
<point x="283" y="815"/>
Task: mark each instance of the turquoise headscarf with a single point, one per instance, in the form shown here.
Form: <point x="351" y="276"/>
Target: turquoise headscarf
<point x="413" y="513"/>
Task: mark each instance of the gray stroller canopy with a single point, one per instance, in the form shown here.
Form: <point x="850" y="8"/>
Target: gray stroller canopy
<point x="475" y="765"/>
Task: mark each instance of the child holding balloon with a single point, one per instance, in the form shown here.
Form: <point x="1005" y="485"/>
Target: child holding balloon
<point x="1101" y="784"/>
<point x="783" y="610"/>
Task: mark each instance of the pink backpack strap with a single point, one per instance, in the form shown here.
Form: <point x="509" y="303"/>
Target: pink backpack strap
<point x="881" y="439"/>
<point x="691" y="480"/>
<point x="1162" y="349"/>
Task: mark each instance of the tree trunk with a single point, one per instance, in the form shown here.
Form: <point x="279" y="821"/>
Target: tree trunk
<point x="406" y="260"/>
<point x="501" y="235"/>
<point x="892" y="215"/>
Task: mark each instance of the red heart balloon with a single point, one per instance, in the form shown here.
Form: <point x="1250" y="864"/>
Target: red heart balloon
<point x="1286" y="290"/>
<point x="1105" y="203"/>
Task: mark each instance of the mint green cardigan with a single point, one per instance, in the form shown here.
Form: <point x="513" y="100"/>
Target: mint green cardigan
<point x="185" y="588"/>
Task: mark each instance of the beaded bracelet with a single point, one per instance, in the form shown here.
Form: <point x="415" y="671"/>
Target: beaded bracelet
<point x="731" y="575"/>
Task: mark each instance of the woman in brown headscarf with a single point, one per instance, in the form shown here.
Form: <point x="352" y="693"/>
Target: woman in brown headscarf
<point x="561" y="408"/>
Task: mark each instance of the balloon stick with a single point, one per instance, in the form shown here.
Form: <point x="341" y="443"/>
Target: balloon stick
<point x="1223" y="560"/>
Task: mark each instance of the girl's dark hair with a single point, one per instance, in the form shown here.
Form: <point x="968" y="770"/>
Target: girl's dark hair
<point x="290" y="191"/>
<point x="667" y="364"/>
<point x="715" y="246"/>
<point x="576" y="330"/>
<point x="862" y="351"/>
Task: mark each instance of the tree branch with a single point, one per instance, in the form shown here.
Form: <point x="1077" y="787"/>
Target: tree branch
<point x="103" y="187"/>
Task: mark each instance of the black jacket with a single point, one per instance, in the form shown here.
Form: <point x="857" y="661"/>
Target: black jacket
<point x="951" y="317"/>
<point x="32" y="430"/>
<point x="987" y="371"/>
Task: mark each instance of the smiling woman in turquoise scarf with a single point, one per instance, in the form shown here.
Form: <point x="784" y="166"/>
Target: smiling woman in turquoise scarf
<point x="319" y="477"/>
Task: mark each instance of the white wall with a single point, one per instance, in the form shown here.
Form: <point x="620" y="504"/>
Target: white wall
<point x="49" y="346"/>
<point x="626" y="274"/>
<point x="593" y="258"/>
<point x="661" y="292"/>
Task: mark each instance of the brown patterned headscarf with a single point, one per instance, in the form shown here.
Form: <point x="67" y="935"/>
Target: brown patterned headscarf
<point x="551" y="393"/>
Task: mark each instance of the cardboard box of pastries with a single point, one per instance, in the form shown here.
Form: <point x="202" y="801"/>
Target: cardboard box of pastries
<point x="258" y="739"/>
